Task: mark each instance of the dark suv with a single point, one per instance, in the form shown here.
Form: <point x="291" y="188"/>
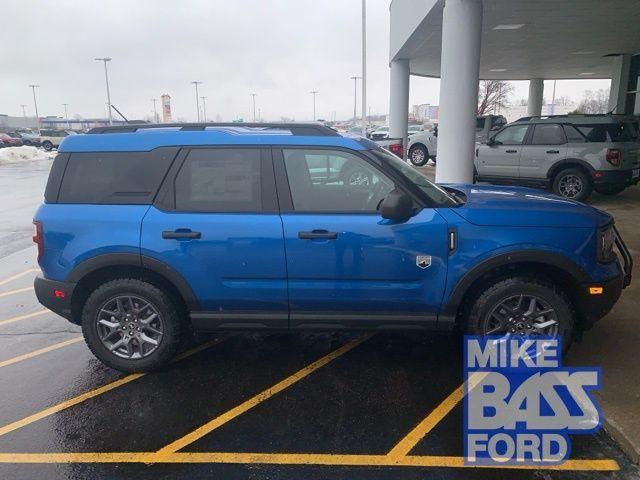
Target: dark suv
<point x="147" y="229"/>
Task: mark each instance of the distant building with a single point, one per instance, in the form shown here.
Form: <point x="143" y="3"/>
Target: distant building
<point x="514" y="112"/>
<point x="425" y="111"/>
<point x="8" y="122"/>
<point x="166" y="108"/>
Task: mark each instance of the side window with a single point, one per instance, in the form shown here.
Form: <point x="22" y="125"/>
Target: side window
<point x="219" y="180"/>
<point x="548" y="134"/>
<point x="573" y="135"/>
<point x="334" y="181"/>
<point x="114" y="177"/>
<point x="513" y="135"/>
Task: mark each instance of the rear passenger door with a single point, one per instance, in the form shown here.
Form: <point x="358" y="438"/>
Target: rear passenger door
<point x="216" y="222"/>
<point x="548" y="145"/>
<point x="502" y="157"/>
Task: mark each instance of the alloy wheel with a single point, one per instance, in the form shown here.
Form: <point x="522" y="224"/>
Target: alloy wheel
<point x="522" y="315"/>
<point x="129" y="326"/>
<point x="570" y="186"/>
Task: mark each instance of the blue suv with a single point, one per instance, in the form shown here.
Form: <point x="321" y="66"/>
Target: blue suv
<point x="150" y="231"/>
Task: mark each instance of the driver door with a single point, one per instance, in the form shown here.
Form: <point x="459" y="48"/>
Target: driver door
<point x="501" y="157"/>
<point x="346" y="265"/>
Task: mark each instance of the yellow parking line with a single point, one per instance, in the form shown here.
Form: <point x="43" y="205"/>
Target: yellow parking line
<point x="24" y="317"/>
<point x="13" y="292"/>
<point x="35" y="353"/>
<point x="18" y="275"/>
<point x="95" y="392"/>
<point x="404" y="446"/>
<point x="260" y="397"/>
<point x="435" y="461"/>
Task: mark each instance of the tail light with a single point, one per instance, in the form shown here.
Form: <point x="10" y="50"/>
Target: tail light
<point x="396" y="148"/>
<point x="37" y="238"/>
<point x="613" y="156"/>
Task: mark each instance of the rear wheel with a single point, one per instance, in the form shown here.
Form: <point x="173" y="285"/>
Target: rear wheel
<point x="573" y="183"/>
<point x="47" y="145"/>
<point x="522" y="306"/>
<point x="131" y="325"/>
<point x="609" y="189"/>
<point x="418" y="155"/>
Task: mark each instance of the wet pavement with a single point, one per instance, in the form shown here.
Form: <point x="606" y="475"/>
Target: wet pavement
<point x="314" y="406"/>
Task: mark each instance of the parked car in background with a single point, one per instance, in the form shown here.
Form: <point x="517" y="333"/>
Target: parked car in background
<point x="2" y="144"/>
<point x="11" y="140"/>
<point x="413" y="129"/>
<point x="30" y="139"/>
<point x="380" y="133"/>
<point x="52" y="138"/>
<point x="143" y="237"/>
<point x="423" y="146"/>
<point x="571" y="154"/>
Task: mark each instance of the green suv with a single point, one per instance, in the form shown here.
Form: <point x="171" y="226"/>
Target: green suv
<point x="571" y="154"/>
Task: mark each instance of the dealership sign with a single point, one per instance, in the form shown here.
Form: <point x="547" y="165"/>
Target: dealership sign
<point x="521" y="404"/>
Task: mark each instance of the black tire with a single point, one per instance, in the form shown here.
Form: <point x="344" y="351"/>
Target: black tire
<point x="47" y="145"/>
<point x="169" y="315"/>
<point x="419" y="155"/>
<point x="491" y="298"/>
<point x="609" y="189"/>
<point x="573" y="184"/>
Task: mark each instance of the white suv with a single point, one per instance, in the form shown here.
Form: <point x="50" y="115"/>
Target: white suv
<point x="52" y="138"/>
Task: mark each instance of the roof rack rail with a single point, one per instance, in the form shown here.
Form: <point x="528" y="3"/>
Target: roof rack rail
<point x="570" y="115"/>
<point x="298" y="129"/>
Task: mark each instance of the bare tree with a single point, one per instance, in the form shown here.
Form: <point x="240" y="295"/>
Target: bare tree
<point x="493" y="94"/>
<point x="594" y="101"/>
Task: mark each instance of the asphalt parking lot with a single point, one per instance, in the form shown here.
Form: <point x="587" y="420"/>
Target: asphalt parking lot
<point x="347" y="405"/>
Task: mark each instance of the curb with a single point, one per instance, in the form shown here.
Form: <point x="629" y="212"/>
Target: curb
<point x="626" y="444"/>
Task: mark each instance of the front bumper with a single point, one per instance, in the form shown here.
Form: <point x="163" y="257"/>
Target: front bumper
<point x="56" y="296"/>
<point x="592" y="307"/>
<point x="615" y="177"/>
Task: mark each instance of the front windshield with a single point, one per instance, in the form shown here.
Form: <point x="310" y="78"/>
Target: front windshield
<point x="438" y="195"/>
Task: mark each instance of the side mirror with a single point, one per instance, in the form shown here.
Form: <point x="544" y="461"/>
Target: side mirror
<point x="397" y="205"/>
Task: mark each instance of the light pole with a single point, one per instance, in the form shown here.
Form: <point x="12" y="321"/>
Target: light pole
<point x="106" y="79"/>
<point x="314" y="92"/>
<point x="66" y="116"/>
<point x="155" y="111"/>
<point x="35" y="103"/>
<point x="24" y="114"/>
<point x="253" y="97"/>
<point x="364" y="68"/>
<point x="197" y="99"/>
<point x="355" y="96"/>
<point x="204" y="108"/>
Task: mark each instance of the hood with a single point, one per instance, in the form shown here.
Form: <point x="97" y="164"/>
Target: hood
<point x="492" y="205"/>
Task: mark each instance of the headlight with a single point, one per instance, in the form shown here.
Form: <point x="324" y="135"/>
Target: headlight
<point x="606" y="239"/>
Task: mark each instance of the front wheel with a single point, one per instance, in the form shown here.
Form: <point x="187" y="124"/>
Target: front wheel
<point x="609" y="189"/>
<point x="572" y="183"/>
<point x="522" y="306"/>
<point x="47" y="145"/>
<point x="418" y="155"/>
<point x="131" y="325"/>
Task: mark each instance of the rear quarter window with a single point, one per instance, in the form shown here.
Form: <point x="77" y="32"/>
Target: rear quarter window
<point x="608" y="132"/>
<point x="114" y="177"/>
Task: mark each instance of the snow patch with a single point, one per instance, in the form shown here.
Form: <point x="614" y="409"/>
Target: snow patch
<point x="24" y="154"/>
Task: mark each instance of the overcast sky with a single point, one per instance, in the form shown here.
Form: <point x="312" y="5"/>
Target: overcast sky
<point x="279" y="49"/>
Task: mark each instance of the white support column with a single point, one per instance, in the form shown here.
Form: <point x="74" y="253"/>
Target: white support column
<point x="619" y="83"/>
<point x="536" y="92"/>
<point x="399" y="100"/>
<point x="459" y="72"/>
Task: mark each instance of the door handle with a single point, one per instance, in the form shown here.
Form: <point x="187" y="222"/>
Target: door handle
<point x="180" y="233"/>
<point x="511" y="151"/>
<point x="318" y="235"/>
<point x="553" y="151"/>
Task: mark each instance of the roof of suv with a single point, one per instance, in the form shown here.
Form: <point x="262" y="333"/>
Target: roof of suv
<point x="145" y="137"/>
<point x="582" y="119"/>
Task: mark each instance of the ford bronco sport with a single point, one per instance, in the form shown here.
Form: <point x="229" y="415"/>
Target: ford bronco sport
<point x="571" y="154"/>
<point x="146" y="229"/>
